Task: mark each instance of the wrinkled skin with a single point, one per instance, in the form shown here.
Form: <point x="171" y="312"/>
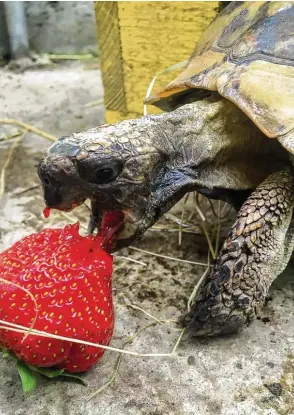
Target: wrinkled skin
<point x="143" y="167"/>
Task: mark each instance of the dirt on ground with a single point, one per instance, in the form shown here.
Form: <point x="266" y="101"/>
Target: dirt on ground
<point x="220" y="376"/>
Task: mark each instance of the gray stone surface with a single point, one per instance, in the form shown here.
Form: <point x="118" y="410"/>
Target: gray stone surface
<point x="249" y="373"/>
<point x="61" y="27"/>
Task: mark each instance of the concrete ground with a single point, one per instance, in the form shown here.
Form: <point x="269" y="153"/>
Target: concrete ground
<point x="248" y="373"/>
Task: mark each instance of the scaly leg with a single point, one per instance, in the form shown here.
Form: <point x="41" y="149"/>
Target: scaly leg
<point x="256" y="251"/>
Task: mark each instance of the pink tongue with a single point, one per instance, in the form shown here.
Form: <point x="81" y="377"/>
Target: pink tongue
<point x="46" y="212"/>
<point x="111" y="222"/>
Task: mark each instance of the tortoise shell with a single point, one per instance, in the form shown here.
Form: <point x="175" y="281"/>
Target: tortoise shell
<point x="247" y="56"/>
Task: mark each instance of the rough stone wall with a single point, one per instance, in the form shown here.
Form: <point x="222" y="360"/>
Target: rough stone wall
<point x="3" y="33"/>
<point x="57" y="27"/>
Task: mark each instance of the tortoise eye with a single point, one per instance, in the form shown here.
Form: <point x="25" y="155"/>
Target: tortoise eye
<point x="106" y="174"/>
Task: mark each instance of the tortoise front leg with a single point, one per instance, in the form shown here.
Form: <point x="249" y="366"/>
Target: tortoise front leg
<point x="256" y="251"/>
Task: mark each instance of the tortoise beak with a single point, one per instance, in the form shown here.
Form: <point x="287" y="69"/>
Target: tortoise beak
<point x="62" y="189"/>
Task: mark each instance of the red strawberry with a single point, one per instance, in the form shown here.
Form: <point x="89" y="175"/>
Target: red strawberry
<point x="70" y="279"/>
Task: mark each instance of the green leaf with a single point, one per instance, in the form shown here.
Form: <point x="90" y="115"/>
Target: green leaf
<point x="49" y="372"/>
<point x="69" y="375"/>
<point x="6" y="353"/>
<point x="28" y="378"/>
<point x="52" y="373"/>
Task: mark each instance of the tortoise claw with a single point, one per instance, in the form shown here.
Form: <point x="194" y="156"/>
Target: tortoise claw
<point x="91" y="225"/>
<point x="184" y="320"/>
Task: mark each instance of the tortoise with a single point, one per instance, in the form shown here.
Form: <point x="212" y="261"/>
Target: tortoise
<point x="228" y="133"/>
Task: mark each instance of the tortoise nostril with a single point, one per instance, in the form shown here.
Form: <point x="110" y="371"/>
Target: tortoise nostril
<point x="44" y="175"/>
<point x="47" y="180"/>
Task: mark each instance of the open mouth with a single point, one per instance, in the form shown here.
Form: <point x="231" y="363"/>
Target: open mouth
<point x="111" y="225"/>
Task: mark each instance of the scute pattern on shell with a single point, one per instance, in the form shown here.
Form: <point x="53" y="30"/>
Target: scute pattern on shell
<point x="247" y="56"/>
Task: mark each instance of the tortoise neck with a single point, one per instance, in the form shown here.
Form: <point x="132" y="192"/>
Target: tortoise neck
<point x="216" y="145"/>
<point x="174" y="131"/>
<point x="189" y="135"/>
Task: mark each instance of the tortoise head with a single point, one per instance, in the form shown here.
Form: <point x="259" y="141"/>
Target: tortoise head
<point x="120" y="169"/>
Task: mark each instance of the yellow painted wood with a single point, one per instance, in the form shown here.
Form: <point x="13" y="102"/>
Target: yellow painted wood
<point x="108" y="33"/>
<point x="112" y="117"/>
<point x="138" y="40"/>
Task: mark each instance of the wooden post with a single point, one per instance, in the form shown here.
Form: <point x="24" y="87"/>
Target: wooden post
<point x="138" y="40"/>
